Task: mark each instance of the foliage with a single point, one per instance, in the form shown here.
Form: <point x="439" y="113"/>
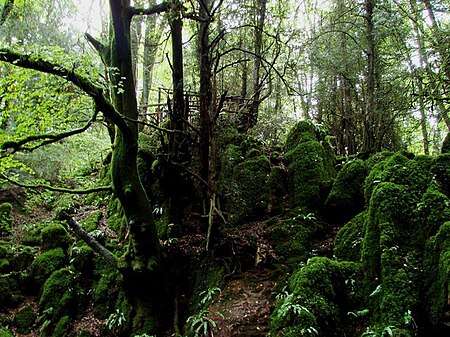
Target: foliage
<point x="115" y="321"/>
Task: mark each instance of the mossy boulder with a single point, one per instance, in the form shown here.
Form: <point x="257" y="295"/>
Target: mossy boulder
<point x="91" y="222"/>
<point x="32" y="235"/>
<point x="55" y="235"/>
<point x="4" y="332"/>
<point x="9" y="291"/>
<point x="277" y="183"/>
<point x="317" y="300"/>
<point x="310" y="174"/>
<point x="347" y="245"/>
<point x="441" y="171"/>
<point x="105" y="292"/>
<point x="58" y="295"/>
<point x="446" y="144"/>
<point x="437" y="269"/>
<point x="62" y="328"/>
<point x="25" y="319"/>
<point x="302" y="132"/>
<point x="82" y="258"/>
<point x="44" y="265"/>
<point x="249" y="191"/>
<point x="346" y="198"/>
<point x="5" y="218"/>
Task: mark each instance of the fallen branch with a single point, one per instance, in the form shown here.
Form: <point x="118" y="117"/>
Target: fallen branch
<point x="90" y="241"/>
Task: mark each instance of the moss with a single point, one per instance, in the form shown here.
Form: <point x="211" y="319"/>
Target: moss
<point x="82" y="259"/>
<point x="45" y="264"/>
<point x="59" y="294"/>
<point x="277" y="183"/>
<point x="9" y="290"/>
<point x="246" y="202"/>
<point x="319" y="296"/>
<point x="414" y="174"/>
<point x="309" y="173"/>
<point x="32" y="235"/>
<point x="4" y="332"/>
<point x="55" y="235"/>
<point x="62" y="328"/>
<point x="346" y="198"/>
<point x="25" y="319"/>
<point x="441" y="171"/>
<point x="377" y="158"/>
<point x="5" y="218"/>
<point x="104" y="294"/>
<point x="91" y="222"/>
<point x="437" y="267"/>
<point x="302" y="132"/>
<point x="347" y="245"/>
<point x="23" y="257"/>
<point x="84" y="333"/>
<point x="253" y="153"/>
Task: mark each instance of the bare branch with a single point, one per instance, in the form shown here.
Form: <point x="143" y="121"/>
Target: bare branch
<point x="31" y="61"/>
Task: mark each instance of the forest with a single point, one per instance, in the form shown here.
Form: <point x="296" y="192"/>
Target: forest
<point x="223" y="168"/>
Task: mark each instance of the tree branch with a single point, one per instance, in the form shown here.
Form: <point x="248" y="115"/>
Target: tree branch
<point x="31" y="61"/>
<point x="58" y="189"/>
<point x="160" y="8"/>
<point x="48" y="138"/>
<point x="90" y="241"/>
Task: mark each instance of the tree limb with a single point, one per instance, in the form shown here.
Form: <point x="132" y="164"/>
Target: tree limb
<point x="31" y="61"/>
<point x="160" y="8"/>
<point x="48" y="138"/>
<point x="90" y="241"/>
<point x="58" y="189"/>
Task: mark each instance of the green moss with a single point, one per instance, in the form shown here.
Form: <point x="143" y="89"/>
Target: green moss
<point x="319" y="296"/>
<point x="23" y="257"/>
<point x="9" y="290"/>
<point x="25" y="319"/>
<point x="246" y="201"/>
<point x="45" y="264"/>
<point x="105" y="292"/>
<point x="310" y="172"/>
<point x="277" y="183"/>
<point x="346" y="198"/>
<point x="441" y="171"/>
<point x="82" y="258"/>
<point x="55" y="235"/>
<point x="59" y="294"/>
<point x="347" y="245"/>
<point x="32" y="235"/>
<point x="437" y="268"/>
<point x="4" y="332"/>
<point x="62" y="328"/>
<point x="84" y="333"/>
<point x="302" y="132"/>
<point x="91" y="222"/>
<point x="377" y="158"/>
<point x="5" y="218"/>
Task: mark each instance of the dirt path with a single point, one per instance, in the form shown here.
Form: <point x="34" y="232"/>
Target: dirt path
<point x="246" y="303"/>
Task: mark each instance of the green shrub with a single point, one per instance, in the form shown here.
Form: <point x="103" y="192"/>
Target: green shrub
<point x="5" y="332"/>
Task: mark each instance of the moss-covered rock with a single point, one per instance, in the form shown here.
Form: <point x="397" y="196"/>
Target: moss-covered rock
<point x="246" y="201"/>
<point x="318" y="299"/>
<point x="277" y="183"/>
<point x="91" y="222"/>
<point x="105" y="290"/>
<point x="9" y="291"/>
<point x="62" y="328"/>
<point x="446" y="144"/>
<point x="347" y="245"/>
<point x="58" y="294"/>
<point x="346" y="198"/>
<point x="82" y="258"/>
<point x="310" y="173"/>
<point x="32" y="235"/>
<point x="4" y="332"/>
<point x="302" y="132"/>
<point x="5" y="218"/>
<point x="437" y="269"/>
<point x="55" y="235"/>
<point x="441" y="171"/>
<point x="44" y="265"/>
<point x="25" y="319"/>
